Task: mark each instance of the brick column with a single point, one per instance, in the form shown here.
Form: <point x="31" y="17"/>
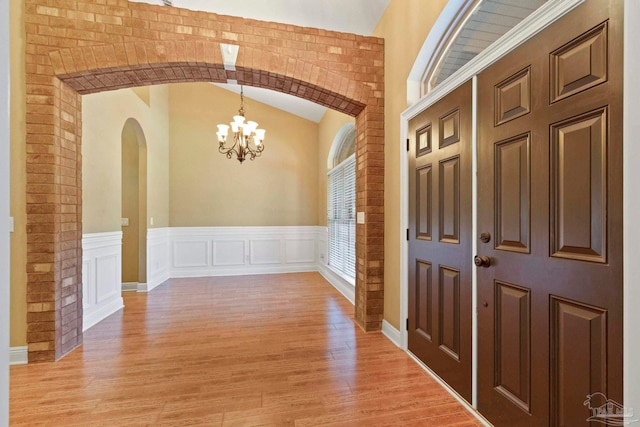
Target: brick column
<point x="370" y="235"/>
<point x="54" y="304"/>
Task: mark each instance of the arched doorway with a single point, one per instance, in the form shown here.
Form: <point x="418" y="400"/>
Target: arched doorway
<point x="186" y="48"/>
<point x="134" y="205"/>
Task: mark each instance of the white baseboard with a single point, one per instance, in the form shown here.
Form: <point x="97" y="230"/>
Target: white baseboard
<point x="151" y="285"/>
<point x="344" y="287"/>
<point x="102" y="313"/>
<point x="129" y="286"/>
<point x="18" y="355"/>
<point x="389" y="331"/>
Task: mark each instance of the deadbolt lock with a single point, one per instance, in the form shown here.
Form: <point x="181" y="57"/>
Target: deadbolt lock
<point x="485" y="237"/>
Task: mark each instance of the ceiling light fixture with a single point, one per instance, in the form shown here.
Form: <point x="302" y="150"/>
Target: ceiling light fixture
<point x="247" y="138"/>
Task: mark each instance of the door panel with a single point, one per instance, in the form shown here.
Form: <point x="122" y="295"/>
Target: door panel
<point x="450" y="200"/>
<point x="513" y="343"/>
<point x="440" y="239"/>
<point x="550" y="197"/>
<point x="512" y="193"/>
<point x="579" y="357"/>
<point x="424" y="200"/>
<point x="578" y="187"/>
<point x="424" y="300"/>
<point x="449" y="311"/>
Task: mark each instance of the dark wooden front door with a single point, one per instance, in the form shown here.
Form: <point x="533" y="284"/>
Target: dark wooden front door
<point x="439" y="329"/>
<point x="550" y="199"/>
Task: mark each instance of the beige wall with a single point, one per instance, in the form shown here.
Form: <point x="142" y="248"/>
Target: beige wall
<point x="404" y="26"/>
<point x="103" y="117"/>
<point x="207" y="189"/>
<point x="331" y="123"/>
<point x="18" y="177"/>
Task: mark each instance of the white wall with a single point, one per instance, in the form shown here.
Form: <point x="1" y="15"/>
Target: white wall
<point x="4" y="213"/>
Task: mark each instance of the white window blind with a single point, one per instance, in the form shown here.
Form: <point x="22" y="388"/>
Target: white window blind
<point x="341" y="217"/>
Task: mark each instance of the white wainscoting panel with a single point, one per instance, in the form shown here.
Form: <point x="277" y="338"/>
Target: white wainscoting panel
<point x="224" y="251"/>
<point x="229" y="252"/>
<point x="108" y="268"/>
<point x="101" y="276"/>
<point x="265" y="251"/>
<point x="191" y="253"/>
<point x="158" y="258"/>
<point x="300" y="251"/>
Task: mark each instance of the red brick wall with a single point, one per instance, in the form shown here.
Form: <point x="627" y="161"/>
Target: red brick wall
<point x="75" y="47"/>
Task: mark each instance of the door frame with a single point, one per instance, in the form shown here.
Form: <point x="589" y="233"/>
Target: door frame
<point x="536" y="22"/>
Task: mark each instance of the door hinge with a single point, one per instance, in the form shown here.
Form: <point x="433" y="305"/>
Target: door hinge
<point x="407" y="324"/>
<point x="408" y="144"/>
<point x="407" y="234"/>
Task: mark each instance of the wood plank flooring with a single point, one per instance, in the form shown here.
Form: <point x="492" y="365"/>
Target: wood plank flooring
<point x="271" y="350"/>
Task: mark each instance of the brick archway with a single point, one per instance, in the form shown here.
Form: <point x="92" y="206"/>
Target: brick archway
<point x="96" y="47"/>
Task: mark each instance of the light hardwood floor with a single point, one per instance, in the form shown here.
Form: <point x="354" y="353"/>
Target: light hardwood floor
<point x="270" y="350"/>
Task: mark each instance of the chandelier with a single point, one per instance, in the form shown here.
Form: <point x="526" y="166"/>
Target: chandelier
<point x="246" y="138"/>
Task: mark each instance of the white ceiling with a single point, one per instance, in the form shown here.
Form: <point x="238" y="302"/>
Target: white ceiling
<point x="349" y="16"/>
<point x="291" y="104"/>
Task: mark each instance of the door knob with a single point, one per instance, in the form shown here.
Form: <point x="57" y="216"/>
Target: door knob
<point x="482" y="261"/>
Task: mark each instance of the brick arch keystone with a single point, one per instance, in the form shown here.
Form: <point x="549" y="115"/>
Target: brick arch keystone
<point x="94" y="47"/>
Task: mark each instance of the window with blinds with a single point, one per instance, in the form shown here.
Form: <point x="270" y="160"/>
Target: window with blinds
<point x="341" y="218"/>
